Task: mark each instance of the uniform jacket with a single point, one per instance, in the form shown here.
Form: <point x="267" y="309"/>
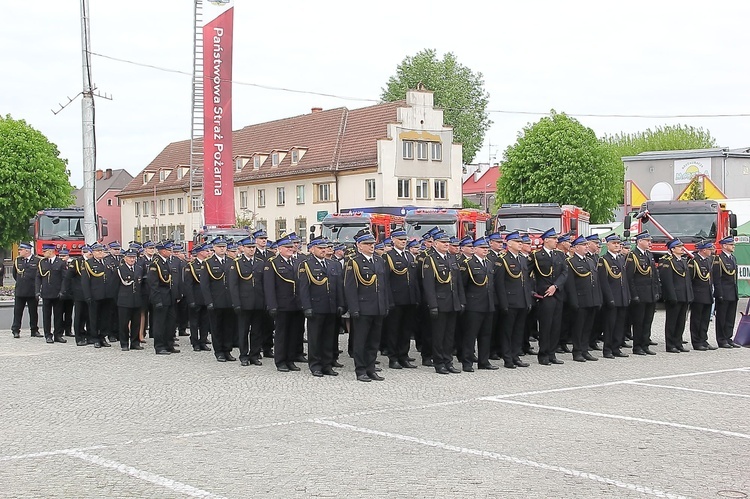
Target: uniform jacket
<point x="366" y="286"/>
<point x="72" y="278"/>
<point x="583" y="290"/>
<point x="513" y="285"/>
<point x="478" y="281"/>
<point x="129" y="293"/>
<point x="113" y="284"/>
<point x="725" y="277"/>
<point x="49" y="278"/>
<point x="549" y="271"/>
<point x="280" y="285"/>
<point x="613" y="280"/>
<point x="402" y="275"/>
<point x="177" y="269"/>
<point x="95" y="279"/>
<point x="319" y="287"/>
<point x="214" y="282"/>
<point x="675" y="279"/>
<point x="191" y="283"/>
<point x="441" y="283"/>
<point x="642" y="275"/>
<point x="245" y="279"/>
<point x="145" y="263"/>
<point x="699" y="269"/>
<point x="24" y="273"/>
<point x="160" y="282"/>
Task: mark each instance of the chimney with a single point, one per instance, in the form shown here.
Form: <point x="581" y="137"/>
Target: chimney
<point x="108" y="173"/>
<point x="316" y="110"/>
<point x="99" y="174"/>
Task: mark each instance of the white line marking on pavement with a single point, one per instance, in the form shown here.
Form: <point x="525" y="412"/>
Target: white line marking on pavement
<point x="502" y="457"/>
<point x="624" y="418"/>
<point x="50" y="453"/>
<point x="168" y="483"/>
<point x="708" y="392"/>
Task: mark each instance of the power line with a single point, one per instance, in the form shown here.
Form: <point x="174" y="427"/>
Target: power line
<point x="491" y="111"/>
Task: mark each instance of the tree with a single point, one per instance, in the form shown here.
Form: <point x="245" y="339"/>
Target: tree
<point x="559" y="160"/>
<point x="695" y="190"/>
<point x="457" y="90"/>
<point x="468" y="203"/>
<point x="666" y="138"/>
<point x="32" y="177"/>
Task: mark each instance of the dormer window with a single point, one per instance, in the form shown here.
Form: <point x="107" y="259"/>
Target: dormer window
<point x="275" y="159"/>
<point x="147" y="176"/>
<point x="295" y="156"/>
<point x="163" y="174"/>
<point x="256" y="162"/>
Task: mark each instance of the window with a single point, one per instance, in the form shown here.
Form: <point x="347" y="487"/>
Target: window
<point x="370" y="188"/>
<point x="109" y="202"/>
<point x="275" y="159"/>
<point x="137" y="206"/>
<point x="162" y="206"/>
<point x="440" y="189"/>
<point x="404" y="188"/>
<point x="422" y="150"/>
<point x="195" y="203"/>
<point x="261" y="223"/>
<point x="300" y="194"/>
<point x="280" y="196"/>
<point x="153" y="208"/>
<point x="261" y="198"/>
<point x="145" y="208"/>
<point x="280" y="227"/>
<point x="408" y="149"/>
<point x="243" y="200"/>
<point x="300" y="227"/>
<point x="180" y="173"/>
<point x="170" y="206"/>
<point x="163" y="174"/>
<point x="422" y="189"/>
<point x="437" y="151"/>
<point x="322" y="192"/>
<point x="295" y="156"/>
<point x="180" y="205"/>
<point x="119" y="202"/>
<point x="239" y="163"/>
<point x="162" y="232"/>
<point x="256" y="162"/>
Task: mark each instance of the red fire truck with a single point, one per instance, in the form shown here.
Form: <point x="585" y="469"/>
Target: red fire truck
<point x="535" y="218"/>
<point x="690" y="221"/>
<point x="62" y="227"/>
<point x="209" y="233"/>
<point x="454" y="222"/>
<point x="342" y="227"/>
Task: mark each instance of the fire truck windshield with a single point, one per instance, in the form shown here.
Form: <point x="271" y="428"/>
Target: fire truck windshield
<point x="60" y="227"/>
<point x="688" y="227"/>
<point x="343" y="233"/>
<point x="530" y="224"/>
<point x="415" y="230"/>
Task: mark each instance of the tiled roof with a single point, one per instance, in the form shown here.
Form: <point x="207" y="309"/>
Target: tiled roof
<point x="479" y="186"/>
<point x="328" y="138"/>
<point x="118" y="180"/>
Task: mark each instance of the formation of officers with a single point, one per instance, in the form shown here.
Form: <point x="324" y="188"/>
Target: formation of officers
<point x="464" y="302"/>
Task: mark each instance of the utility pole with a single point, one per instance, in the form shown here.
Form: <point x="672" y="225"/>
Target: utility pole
<point x="89" y="142"/>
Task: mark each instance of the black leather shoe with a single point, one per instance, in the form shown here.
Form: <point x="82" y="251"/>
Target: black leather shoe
<point x="268" y="354"/>
<point x="595" y="346"/>
<point x="638" y="351"/>
<point x="564" y="349"/>
<point x="317" y="374"/>
<point x="530" y="351"/>
<point x="221" y="358"/>
<point x="394" y="365"/>
<point x="407" y="365"/>
<point x="520" y="363"/>
<point x="735" y="345"/>
<point x="495" y="356"/>
<point x="700" y="348"/>
<point x="256" y="361"/>
<point x="36" y="334"/>
<point x="104" y="342"/>
<point x="364" y="377"/>
<point x="336" y="363"/>
<point x="205" y="348"/>
<point x="112" y="339"/>
<point x="453" y="370"/>
<point x="509" y="365"/>
<point x="16" y="334"/>
<point x="196" y="349"/>
<point x="375" y="377"/>
<point x="282" y="368"/>
<point x="427" y="362"/>
<point x="608" y="355"/>
<point x="49" y="340"/>
<point x="649" y="351"/>
<point x="82" y="343"/>
<point x="60" y="339"/>
<point x="330" y="372"/>
<point x="174" y="350"/>
<point x="69" y="334"/>
<point x="590" y="357"/>
<point x="136" y="346"/>
<point x="161" y="352"/>
<point x="292" y="366"/>
<point x="544" y="362"/>
<point x="441" y="370"/>
<point x="125" y="349"/>
<point x="411" y="359"/>
<point x="230" y="357"/>
<point x="673" y="350"/>
<point x="627" y="345"/>
<point x="97" y="344"/>
<point x="725" y="345"/>
<point x="468" y="368"/>
<point x="301" y="358"/>
<point x="488" y="367"/>
<point x="578" y="358"/>
<point x="652" y="343"/>
<point x="620" y="354"/>
<point x="710" y="346"/>
<point x="556" y="361"/>
<point x="245" y="363"/>
<point x="683" y="349"/>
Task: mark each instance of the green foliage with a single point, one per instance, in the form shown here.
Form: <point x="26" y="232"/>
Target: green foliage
<point x="467" y="203"/>
<point x="695" y="190"/>
<point x="241" y="220"/>
<point x="32" y="177"/>
<point x="666" y="138"/>
<point x="457" y="90"/>
<point x="558" y="160"/>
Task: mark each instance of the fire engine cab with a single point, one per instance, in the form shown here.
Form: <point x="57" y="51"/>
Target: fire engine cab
<point x="342" y="227"/>
<point x="459" y="223"/>
<point x="535" y="218"/>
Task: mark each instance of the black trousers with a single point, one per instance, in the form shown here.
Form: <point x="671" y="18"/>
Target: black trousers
<point x="726" y="313"/>
<point x="249" y="324"/>
<point x="223" y="330"/>
<point x="397" y="333"/>
<point x="675" y="324"/>
<point x="182" y="314"/>
<point x="321" y="330"/>
<point x="67" y="316"/>
<point x="477" y="328"/>
<point x="267" y="333"/>
<point x="130" y="325"/>
<point x="20" y="303"/>
<point x="641" y="317"/>
<point x="285" y="336"/>
<point x="81" y="325"/>
<point x="613" y="319"/>
<point x="111" y="322"/>
<point x="97" y="326"/>
<point x="568" y="323"/>
<point x="549" y="312"/>
<point x="580" y="333"/>
<point x="513" y="333"/>
<point x="365" y="342"/>
<point x="597" y="327"/>
<point x="161" y="332"/>
<point x="52" y="311"/>
<point x="496" y="332"/>
<point x="700" y="317"/>
<point x="442" y="327"/>
<point x="531" y="329"/>
<point x="199" y="325"/>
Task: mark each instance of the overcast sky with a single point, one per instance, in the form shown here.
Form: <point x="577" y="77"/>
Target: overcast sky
<point x="634" y="58"/>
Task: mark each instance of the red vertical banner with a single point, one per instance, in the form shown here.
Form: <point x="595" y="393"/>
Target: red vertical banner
<point x="218" y="165"/>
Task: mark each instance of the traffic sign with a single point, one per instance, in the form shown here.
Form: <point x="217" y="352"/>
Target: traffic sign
<point x="322" y="215"/>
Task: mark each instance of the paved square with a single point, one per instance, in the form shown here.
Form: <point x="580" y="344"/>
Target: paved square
<point x="80" y="422"/>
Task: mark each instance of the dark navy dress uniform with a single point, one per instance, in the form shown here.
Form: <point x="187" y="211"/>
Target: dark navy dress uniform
<point x="245" y="279"/>
<point x="49" y="282"/>
<point x="699" y="269"/>
<point x="726" y="294"/>
<point x="514" y="289"/>
<point x="615" y="301"/>
<point x="282" y="302"/>
<point x="197" y="311"/>
<point x="129" y="304"/>
<point x="24" y="273"/>
<point x="215" y="290"/>
<point x="550" y="269"/>
<point x="477" y="278"/>
<point x="404" y="281"/>
<point x="678" y="293"/>
<point x="95" y="281"/>
<point x="585" y="297"/>
<point x="72" y="285"/>
<point x="645" y="290"/>
<point x="162" y="300"/>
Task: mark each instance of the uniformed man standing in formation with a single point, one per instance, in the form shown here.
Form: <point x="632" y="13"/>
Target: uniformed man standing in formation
<point x="49" y="281"/>
<point x="245" y="281"/>
<point x="197" y="310"/>
<point x="645" y="290"/>
<point x="478" y="281"/>
<point x="585" y="298"/>
<point x="615" y="297"/>
<point x="130" y="278"/>
<point x="25" y="268"/>
<point x="218" y="301"/>
<point x="726" y="293"/>
<point x="162" y="297"/>
<point x="699" y="269"/>
<point x="95" y="283"/>
<point x="678" y="293"/>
